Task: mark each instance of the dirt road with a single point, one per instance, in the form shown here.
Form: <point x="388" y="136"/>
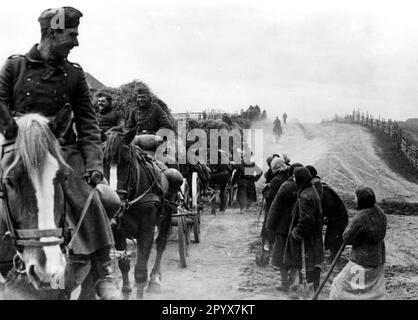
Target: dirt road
<point x="223" y="265"/>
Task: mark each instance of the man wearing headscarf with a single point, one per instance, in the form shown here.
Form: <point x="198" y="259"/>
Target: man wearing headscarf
<point x="278" y="222"/>
<point x="363" y="276"/>
<point x="307" y="228"/>
<point x="44" y="81"/>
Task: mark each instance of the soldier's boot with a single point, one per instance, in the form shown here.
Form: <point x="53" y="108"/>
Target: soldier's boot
<point x="106" y="284"/>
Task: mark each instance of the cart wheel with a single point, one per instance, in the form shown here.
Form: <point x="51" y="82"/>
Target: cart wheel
<point x="213" y="206"/>
<point x="185" y="190"/>
<point x="182" y="238"/>
<point x="196" y="206"/>
<point x="231" y="189"/>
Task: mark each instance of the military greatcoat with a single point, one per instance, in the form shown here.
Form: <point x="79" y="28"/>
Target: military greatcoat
<point x="28" y="85"/>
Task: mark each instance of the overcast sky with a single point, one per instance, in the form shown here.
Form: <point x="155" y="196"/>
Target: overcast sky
<point x="311" y="59"/>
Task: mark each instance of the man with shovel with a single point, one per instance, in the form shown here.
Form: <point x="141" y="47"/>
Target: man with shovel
<point x="305" y="236"/>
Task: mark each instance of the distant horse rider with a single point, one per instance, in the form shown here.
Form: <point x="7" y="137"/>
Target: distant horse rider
<point x="277" y="130"/>
<point x="44" y="81"/>
<point x="149" y="117"/>
<point x="284" y="117"/>
<point x="108" y="117"/>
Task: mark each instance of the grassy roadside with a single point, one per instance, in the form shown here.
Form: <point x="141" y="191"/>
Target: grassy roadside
<point x="387" y="150"/>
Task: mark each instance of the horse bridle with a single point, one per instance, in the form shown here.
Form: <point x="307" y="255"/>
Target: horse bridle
<point x="31" y="237"/>
<point x="24" y="237"/>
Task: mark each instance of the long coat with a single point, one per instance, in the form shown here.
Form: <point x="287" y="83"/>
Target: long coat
<point x="108" y="119"/>
<point x="246" y="182"/>
<point x="275" y="183"/>
<point x="307" y="225"/>
<point x="28" y="85"/>
<point x="278" y="219"/>
<point x="336" y="216"/>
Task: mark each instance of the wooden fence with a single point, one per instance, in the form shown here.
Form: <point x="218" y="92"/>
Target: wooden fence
<point x="389" y="127"/>
<point x="197" y="115"/>
<point x="205" y="115"/>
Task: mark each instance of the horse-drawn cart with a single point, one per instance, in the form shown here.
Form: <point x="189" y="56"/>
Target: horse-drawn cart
<point x="188" y="216"/>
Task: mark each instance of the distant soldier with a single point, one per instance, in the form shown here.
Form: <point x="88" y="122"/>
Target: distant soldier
<point x="246" y="176"/>
<point x="107" y="116"/>
<point x="149" y="117"/>
<point x="284" y="117"/>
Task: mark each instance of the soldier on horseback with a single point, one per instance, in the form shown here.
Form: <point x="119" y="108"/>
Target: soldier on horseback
<point x="44" y="81"/>
<point x="277" y="129"/>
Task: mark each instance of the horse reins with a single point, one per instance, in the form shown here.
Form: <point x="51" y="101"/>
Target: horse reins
<point x="31" y="237"/>
<point x="130" y="203"/>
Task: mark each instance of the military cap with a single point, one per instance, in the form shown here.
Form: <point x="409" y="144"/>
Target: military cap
<point x="104" y="93"/>
<point x="60" y="18"/>
<point x="142" y="90"/>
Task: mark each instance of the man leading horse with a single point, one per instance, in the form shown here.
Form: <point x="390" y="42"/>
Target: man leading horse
<point x="44" y="81"/>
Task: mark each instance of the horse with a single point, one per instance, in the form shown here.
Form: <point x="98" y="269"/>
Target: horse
<point x="149" y="194"/>
<point x="32" y="210"/>
<point x="277" y="131"/>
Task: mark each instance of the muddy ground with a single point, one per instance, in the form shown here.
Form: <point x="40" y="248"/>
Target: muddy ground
<point x="223" y="265"/>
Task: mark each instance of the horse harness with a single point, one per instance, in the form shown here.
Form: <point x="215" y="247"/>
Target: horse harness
<point x="143" y="158"/>
<point x="31" y="237"/>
